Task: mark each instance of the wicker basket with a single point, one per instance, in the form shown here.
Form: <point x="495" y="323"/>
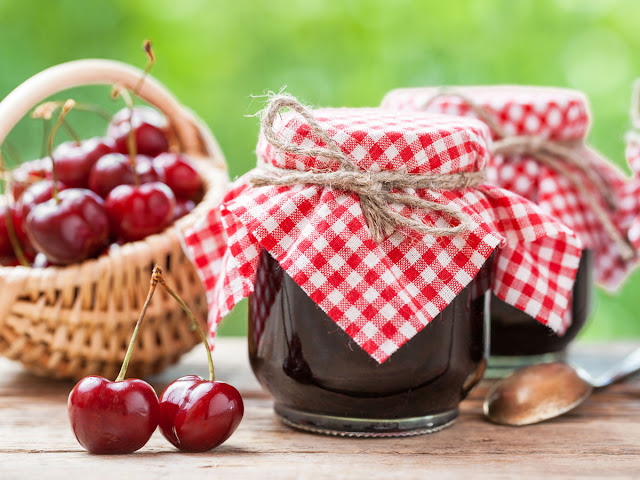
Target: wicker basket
<point x="68" y="322"/>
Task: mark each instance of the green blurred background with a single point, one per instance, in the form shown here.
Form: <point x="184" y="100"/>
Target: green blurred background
<point x="214" y="54"/>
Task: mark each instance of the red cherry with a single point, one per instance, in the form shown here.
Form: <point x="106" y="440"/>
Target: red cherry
<point x="120" y="416"/>
<point x="197" y="415"/>
<point x="70" y="230"/>
<point x="6" y="249"/>
<point x="112" y="417"/>
<point x="74" y="160"/>
<point x="37" y="193"/>
<point x="136" y="212"/>
<point x="28" y="173"/>
<point x="115" y="169"/>
<point x="180" y="175"/>
<point x="183" y="207"/>
<point x="9" y="262"/>
<point x="17" y="189"/>
<point x="150" y="131"/>
<point x="25" y="243"/>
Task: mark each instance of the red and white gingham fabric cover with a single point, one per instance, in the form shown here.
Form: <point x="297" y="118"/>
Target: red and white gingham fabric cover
<point x="383" y="294"/>
<point x="554" y="114"/>
<point x="630" y="204"/>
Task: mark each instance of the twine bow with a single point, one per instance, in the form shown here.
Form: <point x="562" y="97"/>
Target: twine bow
<point x="376" y="190"/>
<point x="556" y="155"/>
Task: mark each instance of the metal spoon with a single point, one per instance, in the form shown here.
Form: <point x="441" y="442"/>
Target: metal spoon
<point x="539" y="392"/>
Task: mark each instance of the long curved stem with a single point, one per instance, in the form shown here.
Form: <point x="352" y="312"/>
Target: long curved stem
<point x="155" y="278"/>
<point x="203" y="336"/>
<point x="46" y="132"/>
<point x="146" y="46"/>
<point x="46" y="110"/>
<point x="66" y="108"/>
<point x="72" y="133"/>
<point x="120" y="91"/>
<point x="10" y="153"/>
<point x="8" y="218"/>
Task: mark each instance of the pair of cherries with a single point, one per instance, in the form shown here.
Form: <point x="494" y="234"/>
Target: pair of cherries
<point x="193" y="414"/>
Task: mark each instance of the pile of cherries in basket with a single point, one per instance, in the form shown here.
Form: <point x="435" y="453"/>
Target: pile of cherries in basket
<point x="193" y="414"/>
<point x="92" y="194"/>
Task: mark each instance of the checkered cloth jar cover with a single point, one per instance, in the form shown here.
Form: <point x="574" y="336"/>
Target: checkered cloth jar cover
<point x="382" y="294"/>
<point x="630" y="205"/>
<point x="558" y="115"/>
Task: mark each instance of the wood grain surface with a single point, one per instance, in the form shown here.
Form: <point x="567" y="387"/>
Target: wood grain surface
<point x="600" y="439"/>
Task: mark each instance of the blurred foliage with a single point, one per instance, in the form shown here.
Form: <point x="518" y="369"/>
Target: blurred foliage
<point x="215" y="54"/>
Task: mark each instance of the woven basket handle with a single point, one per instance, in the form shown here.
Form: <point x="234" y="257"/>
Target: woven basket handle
<point x="192" y="135"/>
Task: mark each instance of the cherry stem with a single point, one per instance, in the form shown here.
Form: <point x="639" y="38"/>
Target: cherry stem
<point x="46" y="131"/>
<point x="66" y="108"/>
<point x="146" y="46"/>
<point x="196" y="325"/>
<point x="10" y="152"/>
<point x="120" y="91"/>
<point x="156" y="275"/>
<point x="47" y="109"/>
<point x="11" y="229"/>
<point x="72" y="133"/>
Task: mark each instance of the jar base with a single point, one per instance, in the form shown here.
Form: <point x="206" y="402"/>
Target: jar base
<point x="501" y="366"/>
<point x="364" y="427"/>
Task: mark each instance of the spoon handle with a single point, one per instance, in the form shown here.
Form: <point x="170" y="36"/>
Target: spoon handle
<point x="628" y="366"/>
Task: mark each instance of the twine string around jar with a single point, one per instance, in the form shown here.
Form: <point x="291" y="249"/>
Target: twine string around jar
<point x="376" y="190"/>
<point x="556" y="155"/>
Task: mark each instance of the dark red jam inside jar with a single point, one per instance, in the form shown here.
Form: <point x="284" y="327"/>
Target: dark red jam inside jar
<point x="322" y="381"/>
<point x="516" y="334"/>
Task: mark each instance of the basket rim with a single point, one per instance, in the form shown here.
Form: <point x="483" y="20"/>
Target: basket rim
<point x="192" y="134"/>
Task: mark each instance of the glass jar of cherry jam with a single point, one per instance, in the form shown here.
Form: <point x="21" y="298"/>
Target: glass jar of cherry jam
<point x="517" y="339"/>
<point x="322" y="381"/>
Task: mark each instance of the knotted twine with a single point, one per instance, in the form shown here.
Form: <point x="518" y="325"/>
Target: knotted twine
<point x="376" y="190"/>
<point x="556" y="155"/>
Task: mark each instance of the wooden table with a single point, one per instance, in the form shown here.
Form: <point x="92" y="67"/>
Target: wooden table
<point x="599" y="439"/>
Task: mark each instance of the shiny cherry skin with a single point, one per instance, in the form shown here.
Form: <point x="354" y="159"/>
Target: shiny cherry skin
<point x="150" y="131"/>
<point x="183" y="207"/>
<point x="28" y="173"/>
<point x="6" y="248"/>
<point x="180" y="175"/>
<point x="197" y="415"/>
<point x="115" y="169"/>
<point x="74" y="160"/>
<point x="72" y="230"/>
<point x="113" y="417"/>
<point x="136" y="212"/>
<point x="37" y="193"/>
<point x="9" y="262"/>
